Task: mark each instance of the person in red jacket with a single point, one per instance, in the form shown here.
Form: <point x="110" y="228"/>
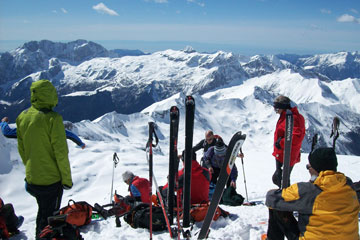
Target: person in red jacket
<point x="200" y="181"/>
<point x="281" y="104"/>
<point x="139" y="188"/>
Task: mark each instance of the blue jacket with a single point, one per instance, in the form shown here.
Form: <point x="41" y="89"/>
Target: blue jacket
<point x="9" y="132"/>
<point x="216" y="161"/>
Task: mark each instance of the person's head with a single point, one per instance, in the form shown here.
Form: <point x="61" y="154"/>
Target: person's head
<point x="5" y="119"/>
<point x="209" y="136"/>
<point x="322" y="159"/>
<point x="43" y="95"/>
<point x="281" y="103"/>
<point x="220" y="148"/>
<point x="193" y="155"/>
<point x="128" y="177"/>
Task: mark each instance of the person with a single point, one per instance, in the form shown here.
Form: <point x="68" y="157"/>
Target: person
<point x="9" y="222"/>
<point x="214" y="158"/>
<point x="281" y="104"/>
<point x="9" y="132"/>
<point x="43" y="149"/>
<point x="139" y="188"/>
<point x="327" y="205"/>
<point x="210" y="140"/>
<point x="200" y="181"/>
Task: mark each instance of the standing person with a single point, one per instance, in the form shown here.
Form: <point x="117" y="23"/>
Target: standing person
<point x="281" y="104"/>
<point x="327" y="205"/>
<point x="9" y="132"/>
<point x="139" y="188"/>
<point x="43" y="149"/>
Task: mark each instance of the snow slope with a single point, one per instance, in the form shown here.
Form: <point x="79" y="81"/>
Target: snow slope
<point x="127" y="134"/>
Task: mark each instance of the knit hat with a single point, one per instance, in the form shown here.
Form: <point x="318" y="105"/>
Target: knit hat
<point x="220" y="148"/>
<point x="322" y="159"/>
<point x="282" y="102"/>
<point x="127" y="175"/>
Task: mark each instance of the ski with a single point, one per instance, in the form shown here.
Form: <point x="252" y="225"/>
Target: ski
<point x="150" y="161"/>
<point x="335" y="130"/>
<point x="189" y="128"/>
<point x="174" y="127"/>
<point x="231" y="153"/>
<point x="289" y="124"/>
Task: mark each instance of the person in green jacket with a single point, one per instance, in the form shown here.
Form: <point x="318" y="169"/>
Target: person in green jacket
<point x="43" y="149"/>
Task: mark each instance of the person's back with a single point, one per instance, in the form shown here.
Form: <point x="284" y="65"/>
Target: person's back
<point x="142" y="186"/>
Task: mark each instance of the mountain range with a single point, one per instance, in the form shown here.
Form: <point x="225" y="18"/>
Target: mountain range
<point x="93" y="81"/>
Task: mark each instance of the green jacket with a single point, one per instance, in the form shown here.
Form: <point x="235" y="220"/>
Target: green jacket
<point x="41" y="138"/>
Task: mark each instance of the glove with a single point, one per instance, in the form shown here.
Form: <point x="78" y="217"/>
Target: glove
<point x="277" y="143"/>
<point x="66" y="187"/>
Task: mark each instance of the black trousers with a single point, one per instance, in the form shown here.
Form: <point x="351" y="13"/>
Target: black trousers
<point x="277" y="176"/>
<point x="8" y="214"/>
<point x="282" y="224"/>
<point x="48" y="199"/>
<point x="215" y="176"/>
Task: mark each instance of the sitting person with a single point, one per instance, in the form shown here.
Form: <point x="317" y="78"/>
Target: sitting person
<point x="9" y="132"/>
<point x="9" y="222"/>
<point x="327" y="205"/>
<point x="200" y="180"/>
<point x="139" y="188"/>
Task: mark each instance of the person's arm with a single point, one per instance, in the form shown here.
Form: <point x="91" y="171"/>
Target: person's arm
<point x="298" y="197"/>
<point x="7" y="131"/>
<point x="198" y="146"/>
<point x="234" y="175"/>
<point x="59" y="145"/>
<point x="73" y="137"/>
<point x="135" y="192"/>
<point x="21" y="148"/>
<point x="208" y="155"/>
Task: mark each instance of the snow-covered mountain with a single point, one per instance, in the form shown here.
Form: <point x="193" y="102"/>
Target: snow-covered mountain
<point x="93" y="81"/>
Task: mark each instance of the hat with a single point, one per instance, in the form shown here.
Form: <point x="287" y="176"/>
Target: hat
<point x="282" y="102"/>
<point x="127" y="175"/>
<point x="220" y="148"/>
<point x="322" y="159"/>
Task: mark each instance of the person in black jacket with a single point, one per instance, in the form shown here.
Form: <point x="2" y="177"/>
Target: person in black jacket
<point x="209" y="141"/>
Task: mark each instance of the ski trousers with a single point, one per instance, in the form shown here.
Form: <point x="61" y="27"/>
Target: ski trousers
<point x="282" y="224"/>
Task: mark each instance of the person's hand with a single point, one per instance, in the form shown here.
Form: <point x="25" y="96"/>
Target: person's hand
<point x="233" y="184"/>
<point x="83" y="146"/>
<point x="277" y="143"/>
<point x="5" y="119"/>
<point x="211" y="170"/>
<point x="241" y="155"/>
<point x="66" y="187"/>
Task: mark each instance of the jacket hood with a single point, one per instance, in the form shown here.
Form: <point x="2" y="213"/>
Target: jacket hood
<point x="330" y="180"/>
<point x="43" y="95"/>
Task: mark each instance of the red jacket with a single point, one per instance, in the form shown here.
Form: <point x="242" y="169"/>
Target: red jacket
<point x="297" y="138"/>
<point x="200" y="182"/>
<point x="140" y="187"/>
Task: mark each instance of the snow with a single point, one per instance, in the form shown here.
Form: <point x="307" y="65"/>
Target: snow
<point x="127" y="135"/>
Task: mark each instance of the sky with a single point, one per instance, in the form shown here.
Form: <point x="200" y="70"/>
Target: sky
<point x="241" y="26"/>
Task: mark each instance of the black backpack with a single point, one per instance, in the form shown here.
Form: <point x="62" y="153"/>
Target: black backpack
<point x="60" y="229"/>
<point x="139" y="217"/>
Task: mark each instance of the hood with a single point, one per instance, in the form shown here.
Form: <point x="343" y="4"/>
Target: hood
<point x="43" y="95"/>
<point x="330" y="180"/>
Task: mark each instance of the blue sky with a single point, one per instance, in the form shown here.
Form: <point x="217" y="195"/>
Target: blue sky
<point x="241" y="26"/>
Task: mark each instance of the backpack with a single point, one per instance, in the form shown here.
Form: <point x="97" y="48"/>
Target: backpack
<point x="231" y="198"/>
<point x="4" y="233"/>
<point x="78" y="213"/>
<point x="60" y="229"/>
<point x="199" y="211"/>
<point x="139" y="217"/>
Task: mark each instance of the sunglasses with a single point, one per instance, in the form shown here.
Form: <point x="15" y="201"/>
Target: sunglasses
<point x="308" y="166"/>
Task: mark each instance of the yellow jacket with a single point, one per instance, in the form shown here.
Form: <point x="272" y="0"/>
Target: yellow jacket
<point x="328" y="208"/>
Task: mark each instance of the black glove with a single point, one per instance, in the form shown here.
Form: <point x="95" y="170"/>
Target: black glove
<point x="66" y="187"/>
<point x="277" y="143"/>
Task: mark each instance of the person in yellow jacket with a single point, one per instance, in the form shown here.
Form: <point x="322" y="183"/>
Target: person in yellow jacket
<point x="327" y="205"/>
<point x="43" y="149"/>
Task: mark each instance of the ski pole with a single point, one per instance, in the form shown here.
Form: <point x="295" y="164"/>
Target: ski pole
<point x="115" y="161"/>
<point x="242" y="162"/>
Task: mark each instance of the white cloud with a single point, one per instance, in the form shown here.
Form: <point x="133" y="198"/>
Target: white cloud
<point x="102" y="8"/>
<point x="348" y="18"/>
<point x="64" y="10"/>
<point x="201" y="4"/>
<point x="157" y="1"/>
<point x="354" y="10"/>
<point x="54" y="11"/>
<point x="325" y="11"/>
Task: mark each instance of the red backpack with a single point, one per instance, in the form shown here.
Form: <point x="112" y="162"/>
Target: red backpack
<point x="78" y="213"/>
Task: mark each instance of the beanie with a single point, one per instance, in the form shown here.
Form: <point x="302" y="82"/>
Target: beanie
<point x="220" y="148"/>
<point x="322" y="159"/>
<point x="127" y="175"/>
<point x="282" y="102"/>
